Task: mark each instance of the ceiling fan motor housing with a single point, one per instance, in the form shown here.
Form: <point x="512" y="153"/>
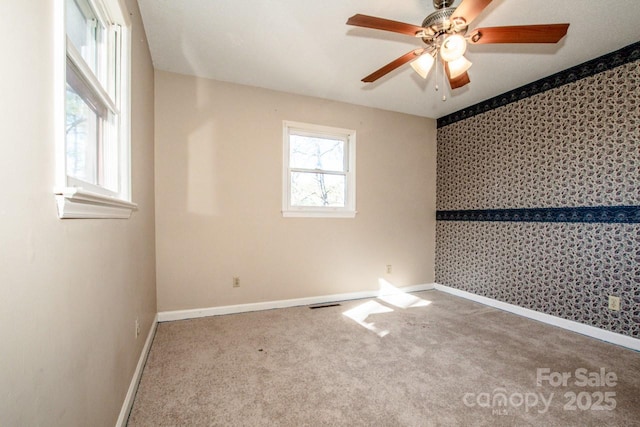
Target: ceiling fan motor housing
<point x="441" y="4"/>
<point x="438" y="23"/>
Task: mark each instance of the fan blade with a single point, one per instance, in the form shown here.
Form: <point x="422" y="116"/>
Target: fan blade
<point x="469" y="9"/>
<point x="393" y="65"/>
<point x="461" y="80"/>
<point x="549" y="33"/>
<point x="456" y="82"/>
<point x="385" y="24"/>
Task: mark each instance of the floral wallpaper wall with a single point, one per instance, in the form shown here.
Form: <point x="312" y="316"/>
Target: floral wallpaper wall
<point x="538" y="197"/>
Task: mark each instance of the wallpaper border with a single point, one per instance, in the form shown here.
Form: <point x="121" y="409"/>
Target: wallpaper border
<point x="606" y="62"/>
<point x="591" y="214"/>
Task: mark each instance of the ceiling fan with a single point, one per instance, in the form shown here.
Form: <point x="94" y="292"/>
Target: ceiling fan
<point x="445" y="34"/>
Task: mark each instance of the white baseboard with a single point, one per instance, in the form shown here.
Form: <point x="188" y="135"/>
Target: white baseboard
<point x="166" y="316"/>
<point x="590" y="331"/>
<point x="133" y="386"/>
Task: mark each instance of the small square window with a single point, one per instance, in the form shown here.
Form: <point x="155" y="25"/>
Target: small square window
<point x="319" y="171"/>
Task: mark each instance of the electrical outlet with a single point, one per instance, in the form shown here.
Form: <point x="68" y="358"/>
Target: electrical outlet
<point x="137" y="328"/>
<point x="236" y="282"/>
<point x="614" y="303"/>
<point x="389" y="268"/>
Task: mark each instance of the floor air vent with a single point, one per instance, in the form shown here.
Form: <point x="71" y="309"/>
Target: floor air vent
<point x="313" y="307"/>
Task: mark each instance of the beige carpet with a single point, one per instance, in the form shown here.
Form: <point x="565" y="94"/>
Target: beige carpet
<point x="440" y="360"/>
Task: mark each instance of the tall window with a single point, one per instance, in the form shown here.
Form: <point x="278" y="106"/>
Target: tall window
<point x="319" y="171"/>
<point x="96" y="128"/>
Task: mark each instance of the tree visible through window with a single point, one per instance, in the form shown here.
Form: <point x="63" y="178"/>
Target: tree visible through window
<point x="317" y="177"/>
<point x="81" y="132"/>
<point x="319" y="169"/>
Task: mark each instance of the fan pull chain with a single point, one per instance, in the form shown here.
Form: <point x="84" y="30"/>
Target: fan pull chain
<point x="437" y="62"/>
<point x="444" y="96"/>
<point x="436" y="87"/>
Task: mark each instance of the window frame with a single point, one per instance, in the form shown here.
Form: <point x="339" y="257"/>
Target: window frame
<point x="308" y="129"/>
<point x="75" y="197"/>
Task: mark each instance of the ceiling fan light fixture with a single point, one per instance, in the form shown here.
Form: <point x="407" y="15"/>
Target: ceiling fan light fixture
<point x="423" y="65"/>
<point x="458" y="67"/>
<point x="453" y="47"/>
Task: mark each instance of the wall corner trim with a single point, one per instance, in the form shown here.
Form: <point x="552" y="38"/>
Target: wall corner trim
<point x="580" y="328"/>
<point x="167" y="316"/>
<point x="137" y="374"/>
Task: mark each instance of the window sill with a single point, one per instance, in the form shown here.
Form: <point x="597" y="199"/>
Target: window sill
<point x="318" y="214"/>
<point x="78" y="203"/>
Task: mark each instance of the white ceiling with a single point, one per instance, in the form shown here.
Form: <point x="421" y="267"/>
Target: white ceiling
<point x="304" y="46"/>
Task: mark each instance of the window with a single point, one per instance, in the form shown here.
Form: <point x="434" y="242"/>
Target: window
<point x="319" y="171"/>
<point x="93" y="164"/>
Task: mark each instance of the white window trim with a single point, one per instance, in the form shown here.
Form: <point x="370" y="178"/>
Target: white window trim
<point x="74" y="198"/>
<point x="349" y="210"/>
<point x="76" y="202"/>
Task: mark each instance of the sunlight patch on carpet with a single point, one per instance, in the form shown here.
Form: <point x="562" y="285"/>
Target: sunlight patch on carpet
<point x="396" y="297"/>
<point x="360" y="313"/>
<point x="388" y="294"/>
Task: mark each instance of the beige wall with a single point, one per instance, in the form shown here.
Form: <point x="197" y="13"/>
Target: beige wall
<point x="70" y="290"/>
<point x="218" y="198"/>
